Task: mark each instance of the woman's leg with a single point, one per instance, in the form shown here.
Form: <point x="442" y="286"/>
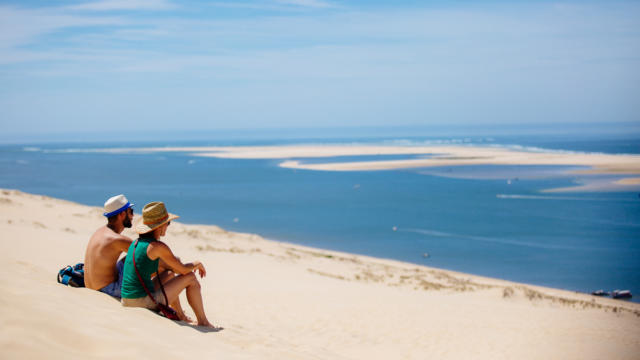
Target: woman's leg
<point x="165" y="276"/>
<point x="174" y="287"/>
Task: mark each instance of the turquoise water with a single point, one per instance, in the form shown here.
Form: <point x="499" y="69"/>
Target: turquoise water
<point x="487" y="220"/>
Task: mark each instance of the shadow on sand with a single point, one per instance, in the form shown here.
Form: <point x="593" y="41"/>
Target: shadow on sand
<point x="202" y="329"/>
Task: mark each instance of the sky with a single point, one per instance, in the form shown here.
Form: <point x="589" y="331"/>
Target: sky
<point x="140" y="65"/>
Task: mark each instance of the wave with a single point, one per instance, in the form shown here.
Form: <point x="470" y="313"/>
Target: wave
<point x="407" y="142"/>
<point x="465" y="142"/>
<point x="389" y="142"/>
<point x="544" y="197"/>
<point x="97" y="150"/>
<point x="436" y="233"/>
<point x="536" y="149"/>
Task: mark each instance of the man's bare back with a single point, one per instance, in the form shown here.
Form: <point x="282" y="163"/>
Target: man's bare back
<point x="103" y="251"/>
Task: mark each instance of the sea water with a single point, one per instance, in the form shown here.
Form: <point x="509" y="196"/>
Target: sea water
<point x="487" y="220"/>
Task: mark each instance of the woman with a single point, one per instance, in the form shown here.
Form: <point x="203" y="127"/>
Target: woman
<point x="149" y="252"/>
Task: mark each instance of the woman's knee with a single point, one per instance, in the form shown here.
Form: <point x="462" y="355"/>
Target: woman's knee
<point x="190" y="278"/>
<point x="193" y="281"/>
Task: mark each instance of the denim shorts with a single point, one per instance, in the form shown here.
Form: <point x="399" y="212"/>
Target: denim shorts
<point x="114" y="288"/>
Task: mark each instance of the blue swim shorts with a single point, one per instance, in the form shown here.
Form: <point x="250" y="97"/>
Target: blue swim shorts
<point x="114" y="288"/>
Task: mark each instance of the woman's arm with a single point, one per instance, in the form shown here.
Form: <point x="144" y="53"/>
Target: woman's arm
<point x="158" y="249"/>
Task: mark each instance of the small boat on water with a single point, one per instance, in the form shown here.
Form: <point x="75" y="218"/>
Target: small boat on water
<point x="621" y="294"/>
<point x="600" y="293"/>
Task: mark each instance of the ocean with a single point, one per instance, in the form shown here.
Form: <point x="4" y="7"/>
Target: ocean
<point x="493" y="221"/>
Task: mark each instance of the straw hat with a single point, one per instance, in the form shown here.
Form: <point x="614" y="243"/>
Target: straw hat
<point x="154" y="215"/>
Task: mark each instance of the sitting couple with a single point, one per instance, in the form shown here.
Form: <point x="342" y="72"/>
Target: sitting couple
<point x="121" y="279"/>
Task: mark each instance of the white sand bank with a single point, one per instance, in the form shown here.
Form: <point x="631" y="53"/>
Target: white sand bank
<point x="434" y="156"/>
<point x="624" y="165"/>
<point x="629" y="181"/>
<point x="281" y="301"/>
<point x="462" y="155"/>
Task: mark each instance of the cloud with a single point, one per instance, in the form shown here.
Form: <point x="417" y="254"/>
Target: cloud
<point x="447" y="39"/>
<point x="111" y="5"/>
<point x="404" y="62"/>
<point x="21" y="27"/>
<point x="307" y="3"/>
<point x="277" y="6"/>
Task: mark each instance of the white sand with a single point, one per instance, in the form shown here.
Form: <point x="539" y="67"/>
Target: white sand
<point x="457" y="156"/>
<point x="629" y="181"/>
<point x="281" y="301"/>
<point x="434" y="156"/>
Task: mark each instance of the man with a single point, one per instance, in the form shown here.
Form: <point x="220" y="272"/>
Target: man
<point x="102" y="270"/>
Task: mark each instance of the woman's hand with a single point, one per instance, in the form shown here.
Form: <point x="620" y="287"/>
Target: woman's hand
<point x="197" y="265"/>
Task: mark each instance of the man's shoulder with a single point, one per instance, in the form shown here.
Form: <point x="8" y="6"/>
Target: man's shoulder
<point x="105" y="234"/>
<point x="119" y="237"/>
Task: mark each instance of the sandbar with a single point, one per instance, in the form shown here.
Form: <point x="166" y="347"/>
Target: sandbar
<point x="445" y="155"/>
<point x="626" y="167"/>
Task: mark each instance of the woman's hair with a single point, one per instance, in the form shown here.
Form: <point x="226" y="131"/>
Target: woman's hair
<point x="148" y="235"/>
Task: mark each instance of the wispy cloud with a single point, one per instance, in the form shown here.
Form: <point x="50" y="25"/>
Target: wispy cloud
<point x="277" y="5"/>
<point x="444" y="38"/>
<point x="307" y="3"/>
<point x="21" y="27"/>
<point x="288" y="56"/>
<point x="111" y="5"/>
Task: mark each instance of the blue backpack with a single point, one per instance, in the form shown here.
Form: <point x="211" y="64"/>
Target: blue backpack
<point x="72" y="275"/>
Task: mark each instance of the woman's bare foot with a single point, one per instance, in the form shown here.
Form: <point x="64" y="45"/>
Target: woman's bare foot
<point x="208" y="325"/>
<point x="187" y="319"/>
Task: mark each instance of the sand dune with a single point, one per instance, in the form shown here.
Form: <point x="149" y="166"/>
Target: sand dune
<point x="282" y="301"/>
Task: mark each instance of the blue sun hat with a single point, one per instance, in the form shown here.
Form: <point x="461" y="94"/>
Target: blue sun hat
<point x="115" y="205"/>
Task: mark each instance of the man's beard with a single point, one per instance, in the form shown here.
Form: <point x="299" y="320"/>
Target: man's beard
<point x="126" y="222"/>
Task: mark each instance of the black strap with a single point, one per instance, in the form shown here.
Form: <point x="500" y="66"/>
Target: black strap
<point x="166" y="301"/>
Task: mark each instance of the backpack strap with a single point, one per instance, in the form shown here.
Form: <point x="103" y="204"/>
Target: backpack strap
<point x="135" y="267"/>
<point x="63" y="275"/>
<point x="165" y="309"/>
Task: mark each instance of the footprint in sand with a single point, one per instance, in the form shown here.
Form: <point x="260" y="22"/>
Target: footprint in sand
<point x="39" y="225"/>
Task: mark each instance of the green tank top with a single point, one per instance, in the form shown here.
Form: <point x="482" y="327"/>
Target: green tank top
<point x="131" y="287"/>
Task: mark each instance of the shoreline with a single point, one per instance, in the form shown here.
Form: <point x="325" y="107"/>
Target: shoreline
<point x="344" y="254"/>
<point x="280" y="300"/>
<point x="195" y="231"/>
